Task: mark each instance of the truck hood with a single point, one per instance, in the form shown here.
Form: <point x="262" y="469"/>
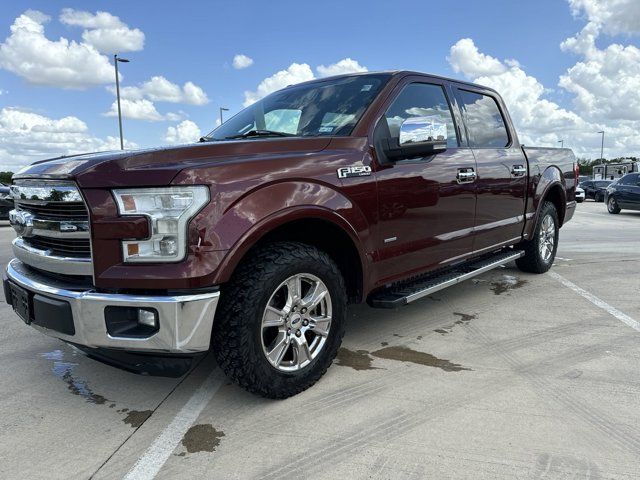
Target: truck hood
<point x="159" y="166"/>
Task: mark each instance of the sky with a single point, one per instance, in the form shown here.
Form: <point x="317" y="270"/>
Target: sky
<point x="566" y="68"/>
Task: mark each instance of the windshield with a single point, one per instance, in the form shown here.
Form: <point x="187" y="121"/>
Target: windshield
<point x="324" y="108"/>
<point x="603" y="183"/>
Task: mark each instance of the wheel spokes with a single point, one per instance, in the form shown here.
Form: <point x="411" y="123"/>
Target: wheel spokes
<point x="320" y="325"/>
<point x="280" y="346"/>
<point x="301" y="351"/>
<point x="315" y="295"/>
<point x="273" y="317"/>
<point x="294" y="289"/>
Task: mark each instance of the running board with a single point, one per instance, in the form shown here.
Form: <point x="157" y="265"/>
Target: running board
<point x="409" y="291"/>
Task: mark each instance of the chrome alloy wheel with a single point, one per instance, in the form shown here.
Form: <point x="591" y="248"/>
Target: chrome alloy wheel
<point x="296" y="322"/>
<point x="547" y="238"/>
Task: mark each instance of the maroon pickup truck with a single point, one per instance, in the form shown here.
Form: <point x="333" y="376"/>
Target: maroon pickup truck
<point x="377" y="187"/>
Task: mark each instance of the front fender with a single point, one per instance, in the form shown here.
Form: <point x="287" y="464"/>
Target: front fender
<point x="253" y="216"/>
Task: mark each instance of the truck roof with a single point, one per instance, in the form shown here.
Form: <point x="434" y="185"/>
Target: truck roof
<point x="395" y="73"/>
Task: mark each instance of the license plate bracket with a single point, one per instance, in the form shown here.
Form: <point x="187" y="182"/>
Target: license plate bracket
<point x="20" y="302"/>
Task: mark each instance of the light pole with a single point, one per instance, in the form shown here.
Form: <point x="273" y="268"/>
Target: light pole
<point x="222" y="109"/>
<point x="115" y="62"/>
<point x="561" y="142"/>
<point x="604" y="169"/>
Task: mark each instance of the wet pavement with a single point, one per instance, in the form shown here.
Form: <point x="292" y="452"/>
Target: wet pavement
<point x="509" y="375"/>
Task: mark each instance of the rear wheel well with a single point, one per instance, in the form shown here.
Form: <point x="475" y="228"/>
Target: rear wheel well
<point x="555" y="195"/>
<point x="330" y="238"/>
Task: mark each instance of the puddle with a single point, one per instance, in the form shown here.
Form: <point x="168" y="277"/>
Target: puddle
<point x="405" y="354"/>
<point x="508" y="282"/>
<point x="64" y="370"/>
<point x="463" y="320"/>
<point x="202" y="438"/>
<point x="358" y="360"/>
<point x="136" y="418"/>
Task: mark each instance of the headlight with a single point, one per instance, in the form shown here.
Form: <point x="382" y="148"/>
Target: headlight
<point x="169" y="210"/>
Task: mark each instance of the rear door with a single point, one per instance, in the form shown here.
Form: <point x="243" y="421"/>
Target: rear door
<point x="501" y="167"/>
<point x="426" y="213"/>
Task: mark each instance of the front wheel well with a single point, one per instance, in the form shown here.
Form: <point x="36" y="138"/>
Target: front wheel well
<point x="330" y="238"/>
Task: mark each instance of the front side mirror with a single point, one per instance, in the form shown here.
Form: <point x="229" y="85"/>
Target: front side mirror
<point x="419" y="136"/>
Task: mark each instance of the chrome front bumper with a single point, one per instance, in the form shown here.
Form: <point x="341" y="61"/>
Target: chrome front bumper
<point x="185" y="321"/>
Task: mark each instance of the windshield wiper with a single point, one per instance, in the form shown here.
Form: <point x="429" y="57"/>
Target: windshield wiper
<point x="260" y="133"/>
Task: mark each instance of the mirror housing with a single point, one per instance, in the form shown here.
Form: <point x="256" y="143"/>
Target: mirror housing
<point x="419" y="137"/>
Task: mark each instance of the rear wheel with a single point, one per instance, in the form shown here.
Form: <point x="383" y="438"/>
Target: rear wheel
<point x="540" y="251"/>
<point x="612" y="205"/>
<point x="281" y="319"/>
<point x="599" y="197"/>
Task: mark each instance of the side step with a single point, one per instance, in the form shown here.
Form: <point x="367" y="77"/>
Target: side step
<point x="408" y="291"/>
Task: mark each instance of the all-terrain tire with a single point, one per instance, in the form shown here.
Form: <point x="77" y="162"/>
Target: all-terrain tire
<point x="534" y="260"/>
<point x="237" y="331"/>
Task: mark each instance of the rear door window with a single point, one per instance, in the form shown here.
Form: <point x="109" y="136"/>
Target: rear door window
<point x="485" y="123"/>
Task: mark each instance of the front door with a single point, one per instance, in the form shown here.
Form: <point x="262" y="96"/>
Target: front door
<point x="426" y="214"/>
<point x="501" y="168"/>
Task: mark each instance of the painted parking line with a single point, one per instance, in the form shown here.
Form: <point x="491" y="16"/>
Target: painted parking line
<point x="150" y="463"/>
<point x="623" y="317"/>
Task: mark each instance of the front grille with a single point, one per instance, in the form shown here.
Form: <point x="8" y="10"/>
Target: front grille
<point x="52" y="222"/>
<point x="61" y="247"/>
<point x="55" y="210"/>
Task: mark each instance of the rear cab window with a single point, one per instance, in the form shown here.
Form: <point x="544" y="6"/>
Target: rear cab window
<point x="484" y="120"/>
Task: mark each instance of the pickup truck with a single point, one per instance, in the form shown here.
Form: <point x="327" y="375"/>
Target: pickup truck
<point x="377" y="187"/>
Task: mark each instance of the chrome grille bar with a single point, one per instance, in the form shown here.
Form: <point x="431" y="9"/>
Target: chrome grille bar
<point x="52" y="223"/>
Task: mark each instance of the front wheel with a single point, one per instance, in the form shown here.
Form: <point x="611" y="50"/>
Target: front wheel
<point x="612" y="206"/>
<point x="280" y="320"/>
<point x="540" y="251"/>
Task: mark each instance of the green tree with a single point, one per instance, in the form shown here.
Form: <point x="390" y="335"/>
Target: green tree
<point x="5" y="177"/>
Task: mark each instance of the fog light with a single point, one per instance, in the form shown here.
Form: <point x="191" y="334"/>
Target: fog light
<point x="131" y="322"/>
<point x="147" y="317"/>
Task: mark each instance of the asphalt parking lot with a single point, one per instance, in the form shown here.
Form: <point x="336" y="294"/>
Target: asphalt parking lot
<point x="509" y="375"/>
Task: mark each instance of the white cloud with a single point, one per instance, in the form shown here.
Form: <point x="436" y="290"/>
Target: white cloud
<point x="605" y="84"/>
<point x="159" y="89"/>
<point x="104" y="31"/>
<point x="465" y="57"/>
<point x="40" y="61"/>
<point x="297" y="73"/>
<point x="344" y="66"/>
<point x="241" y="61"/>
<point x="185" y="132"/>
<point x="26" y="137"/>
<point x="615" y="16"/>
<point x="141" y="109"/>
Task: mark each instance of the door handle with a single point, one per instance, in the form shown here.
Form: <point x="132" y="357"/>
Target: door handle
<point x="518" y="170"/>
<point x="466" y="175"/>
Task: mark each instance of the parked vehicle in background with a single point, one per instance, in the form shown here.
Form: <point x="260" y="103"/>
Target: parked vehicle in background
<point x="579" y="194"/>
<point x="625" y="193"/>
<point x="595" y="189"/>
<point x="6" y="201"/>
<point x="377" y="187"/>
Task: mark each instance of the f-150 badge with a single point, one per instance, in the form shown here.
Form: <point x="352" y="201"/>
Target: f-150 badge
<point x="346" y="172"/>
